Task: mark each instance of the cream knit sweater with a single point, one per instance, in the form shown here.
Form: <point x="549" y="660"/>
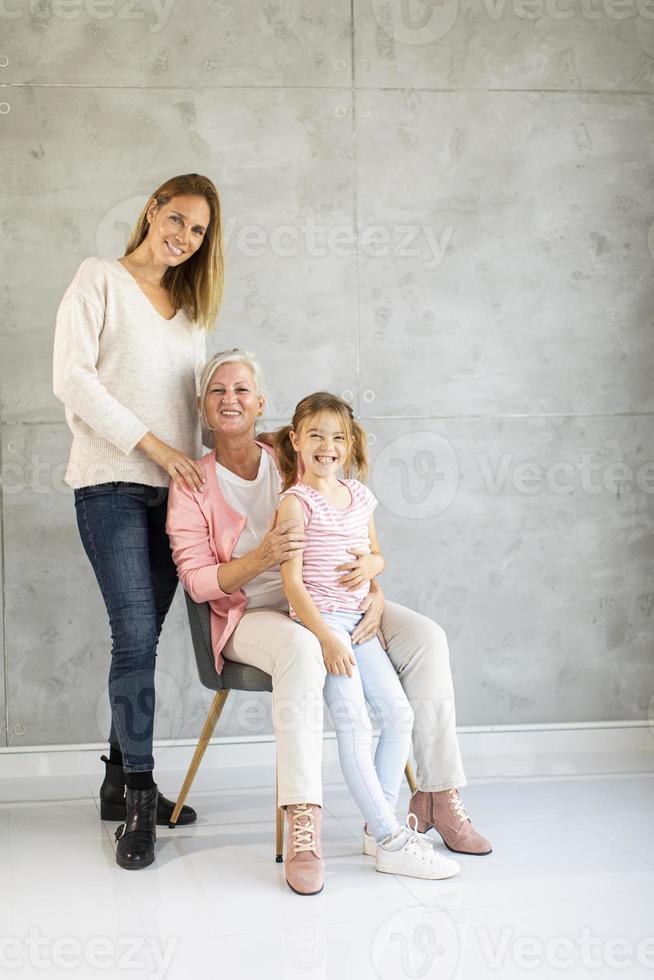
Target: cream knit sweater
<point x="121" y="370"/>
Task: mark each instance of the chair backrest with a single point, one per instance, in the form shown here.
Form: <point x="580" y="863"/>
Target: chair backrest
<point x="235" y="676"/>
<point x="199" y="617"/>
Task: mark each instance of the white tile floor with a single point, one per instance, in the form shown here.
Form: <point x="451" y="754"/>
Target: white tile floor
<point x="568" y="891"/>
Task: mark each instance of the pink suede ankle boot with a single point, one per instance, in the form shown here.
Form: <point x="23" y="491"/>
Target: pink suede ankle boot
<point x="444" y="811"/>
<point x="303" y="865"/>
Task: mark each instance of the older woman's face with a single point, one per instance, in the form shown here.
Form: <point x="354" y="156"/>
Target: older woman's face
<point x="232" y="403"/>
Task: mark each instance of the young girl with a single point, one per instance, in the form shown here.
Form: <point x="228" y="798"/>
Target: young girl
<point x="323" y="439"/>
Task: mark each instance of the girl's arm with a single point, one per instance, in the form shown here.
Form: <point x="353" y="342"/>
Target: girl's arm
<point x="373" y="603"/>
<point x="338" y="659"/>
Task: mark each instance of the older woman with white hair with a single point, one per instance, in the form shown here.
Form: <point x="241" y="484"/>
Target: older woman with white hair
<point x="228" y="553"/>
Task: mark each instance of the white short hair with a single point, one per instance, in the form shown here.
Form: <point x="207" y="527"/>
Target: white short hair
<point x="233" y="356"/>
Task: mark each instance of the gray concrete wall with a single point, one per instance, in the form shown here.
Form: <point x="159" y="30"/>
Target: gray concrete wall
<point x="492" y="161"/>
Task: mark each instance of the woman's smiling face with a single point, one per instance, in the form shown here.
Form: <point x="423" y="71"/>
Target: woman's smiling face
<point x="322" y="444"/>
<point x="232" y="403"/>
<point x="177" y="228"/>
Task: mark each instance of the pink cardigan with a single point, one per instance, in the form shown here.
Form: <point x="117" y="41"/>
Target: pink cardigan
<point x="203" y="530"/>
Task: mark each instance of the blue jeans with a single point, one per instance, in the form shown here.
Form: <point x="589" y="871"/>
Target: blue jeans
<point x="374" y="785"/>
<point x="123" y="530"/>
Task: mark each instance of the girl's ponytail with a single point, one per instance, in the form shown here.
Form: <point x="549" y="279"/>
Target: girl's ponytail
<point x="286" y="456"/>
<point x="358" y="456"/>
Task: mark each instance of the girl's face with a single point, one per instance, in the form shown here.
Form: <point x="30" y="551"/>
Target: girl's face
<point x="177" y="229"/>
<point x="232" y="404"/>
<point x="322" y="445"/>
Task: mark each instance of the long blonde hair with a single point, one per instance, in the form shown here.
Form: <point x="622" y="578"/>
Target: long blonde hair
<point x="196" y="285"/>
<point x="356" y="461"/>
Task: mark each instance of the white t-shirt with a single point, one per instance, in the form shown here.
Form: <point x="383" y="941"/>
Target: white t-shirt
<point x="258" y="500"/>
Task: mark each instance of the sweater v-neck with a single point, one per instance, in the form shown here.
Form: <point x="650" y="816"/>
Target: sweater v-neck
<point x="145" y="296"/>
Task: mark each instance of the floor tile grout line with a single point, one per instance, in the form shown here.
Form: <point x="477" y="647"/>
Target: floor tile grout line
<point x="616" y="843"/>
<point x="537" y="902"/>
<point x="425" y="904"/>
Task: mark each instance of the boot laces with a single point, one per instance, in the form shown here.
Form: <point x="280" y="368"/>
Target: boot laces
<point x="457" y="804"/>
<point x="304" y="828"/>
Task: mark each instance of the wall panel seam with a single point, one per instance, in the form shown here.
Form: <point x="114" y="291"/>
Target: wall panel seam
<point x="197" y="87"/>
<point x="355" y="216"/>
<point x="5" y="664"/>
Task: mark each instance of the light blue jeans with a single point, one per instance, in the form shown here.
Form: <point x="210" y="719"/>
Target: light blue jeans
<point x="374" y="784"/>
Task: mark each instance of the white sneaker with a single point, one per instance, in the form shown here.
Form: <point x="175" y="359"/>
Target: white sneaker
<point x="406" y="853"/>
<point x="370" y="844"/>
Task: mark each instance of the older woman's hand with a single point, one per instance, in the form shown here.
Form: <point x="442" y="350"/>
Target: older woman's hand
<point x="373" y="606"/>
<point x="281" y="543"/>
<point x="362" y="568"/>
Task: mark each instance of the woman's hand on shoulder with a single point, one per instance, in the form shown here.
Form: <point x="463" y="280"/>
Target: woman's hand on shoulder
<point x="282" y="543"/>
<point x="183" y="471"/>
<point x="286" y="537"/>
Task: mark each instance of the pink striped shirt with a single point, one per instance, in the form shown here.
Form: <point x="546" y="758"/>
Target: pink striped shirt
<point x="329" y="533"/>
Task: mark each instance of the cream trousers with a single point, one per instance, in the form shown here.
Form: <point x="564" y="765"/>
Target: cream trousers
<point x="417" y="648"/>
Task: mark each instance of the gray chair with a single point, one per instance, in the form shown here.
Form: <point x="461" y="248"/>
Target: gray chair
<point x="234" y="677"/>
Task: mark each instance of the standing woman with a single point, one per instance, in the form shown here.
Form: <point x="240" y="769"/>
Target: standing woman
<point x="129" y="346"/>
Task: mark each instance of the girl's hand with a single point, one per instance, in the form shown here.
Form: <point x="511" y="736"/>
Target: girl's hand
<point x="360" y="570"/>
<point x="281" y="543"/>
<point x="338" y="659"/>
<point x="183" y="471"/>
<point x="369" y="626"/>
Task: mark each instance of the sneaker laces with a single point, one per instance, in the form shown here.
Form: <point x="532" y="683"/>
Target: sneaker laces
<point x="414" y="836"/>
<point x="304" y="834"/>
<point x="457" y="804"/>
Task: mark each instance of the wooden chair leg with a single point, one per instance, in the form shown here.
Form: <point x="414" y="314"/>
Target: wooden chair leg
<point x="217" y="706"/>
<point x="279" y="827"/>
<point x="410" y="778"/>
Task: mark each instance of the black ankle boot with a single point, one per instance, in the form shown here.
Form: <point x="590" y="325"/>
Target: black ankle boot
<point x="112" y="800"/>
<point x="137" y="835"/>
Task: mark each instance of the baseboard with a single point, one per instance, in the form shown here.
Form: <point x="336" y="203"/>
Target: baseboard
<point x="490" y="752"/>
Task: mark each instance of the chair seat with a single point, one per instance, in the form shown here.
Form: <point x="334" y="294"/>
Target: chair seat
<point x="234" y="677"/>
<point x="244" y="677"/>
